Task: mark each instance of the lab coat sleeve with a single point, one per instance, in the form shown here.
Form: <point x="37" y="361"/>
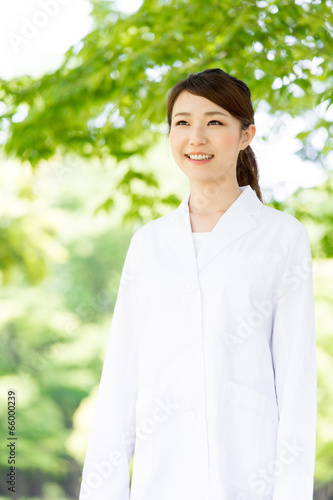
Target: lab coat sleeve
<point x="105" y="474"/>
<point x="294" y="359"/>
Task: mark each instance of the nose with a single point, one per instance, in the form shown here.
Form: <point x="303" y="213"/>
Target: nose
<point x="197" y="137"/>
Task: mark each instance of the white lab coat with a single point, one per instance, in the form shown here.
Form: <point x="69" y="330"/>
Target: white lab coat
<point x="210" y="368"/>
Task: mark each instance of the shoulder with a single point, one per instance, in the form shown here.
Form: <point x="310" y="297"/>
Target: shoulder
<point x="285" y="222"/>
<point x="152" y="227"/>
<point x="144" y="242"/>
<point x="286" y="234"/>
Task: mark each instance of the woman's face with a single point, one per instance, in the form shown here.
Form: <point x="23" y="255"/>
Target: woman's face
<point x="198" y="127"/>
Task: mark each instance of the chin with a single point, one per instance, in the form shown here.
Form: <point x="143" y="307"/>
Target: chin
<point x="200" y="176"/>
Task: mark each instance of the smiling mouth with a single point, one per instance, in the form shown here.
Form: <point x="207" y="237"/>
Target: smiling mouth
<point x="199" y="158"/>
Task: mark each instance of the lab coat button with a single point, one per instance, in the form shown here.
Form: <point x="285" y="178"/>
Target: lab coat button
<point x="190" y="415"/>
<point x="190" y="351"/>
<point x="190" y="286"/>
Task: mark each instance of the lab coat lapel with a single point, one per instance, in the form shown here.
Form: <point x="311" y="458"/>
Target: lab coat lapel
<point x="234" y="223"/>
<point x="179" y="234"/>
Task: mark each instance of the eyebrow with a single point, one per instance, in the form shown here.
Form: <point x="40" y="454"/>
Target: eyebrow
<point x="209" y="113"/>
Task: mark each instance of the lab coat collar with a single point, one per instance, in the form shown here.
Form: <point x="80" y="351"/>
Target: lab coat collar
<point x="235" y="222"/>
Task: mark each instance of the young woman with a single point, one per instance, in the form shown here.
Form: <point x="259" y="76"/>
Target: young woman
<point x="209" y="376"/>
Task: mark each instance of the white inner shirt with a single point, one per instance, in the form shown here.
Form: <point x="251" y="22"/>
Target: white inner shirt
<point x="199" y="239"/>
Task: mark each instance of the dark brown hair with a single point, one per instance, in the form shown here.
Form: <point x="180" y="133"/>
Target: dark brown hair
<point x="233" y="95"/>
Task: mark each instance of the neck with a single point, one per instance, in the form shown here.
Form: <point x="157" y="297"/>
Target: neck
<point x="212" y="199"/>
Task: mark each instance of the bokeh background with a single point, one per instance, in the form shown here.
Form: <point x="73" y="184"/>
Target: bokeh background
<point x="85" y="161"/>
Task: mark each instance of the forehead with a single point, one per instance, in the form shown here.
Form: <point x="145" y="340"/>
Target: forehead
<point x="194" y="104"/>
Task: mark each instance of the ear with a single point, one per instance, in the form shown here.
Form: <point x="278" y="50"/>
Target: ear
<point x="248" y="135"/>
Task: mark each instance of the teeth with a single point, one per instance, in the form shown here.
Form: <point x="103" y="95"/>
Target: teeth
<point x="200" y="157"/>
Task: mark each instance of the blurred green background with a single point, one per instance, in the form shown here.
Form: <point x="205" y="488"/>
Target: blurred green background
<point x="85" y="161"/>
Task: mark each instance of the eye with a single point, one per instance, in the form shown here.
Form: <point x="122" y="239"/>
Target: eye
<point x="212" y="121"/>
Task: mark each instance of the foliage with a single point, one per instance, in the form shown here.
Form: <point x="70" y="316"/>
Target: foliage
<point x="28" y="231"/>
<point x="314" y="208"/>
<point x="323" y="276"/>
<point x="108" y="99"/>
<point x="52" y="350"/>
<point x="109" y="95"/>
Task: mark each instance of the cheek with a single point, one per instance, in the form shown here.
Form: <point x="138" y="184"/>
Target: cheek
<point x="229" y="141"/>
<point x="174" y="140"/>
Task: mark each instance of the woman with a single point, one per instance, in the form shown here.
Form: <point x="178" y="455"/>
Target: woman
<point x="209" y="376"/>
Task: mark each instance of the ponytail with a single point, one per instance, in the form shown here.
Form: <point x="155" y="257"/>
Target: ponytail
<point x="247" y="170"/>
